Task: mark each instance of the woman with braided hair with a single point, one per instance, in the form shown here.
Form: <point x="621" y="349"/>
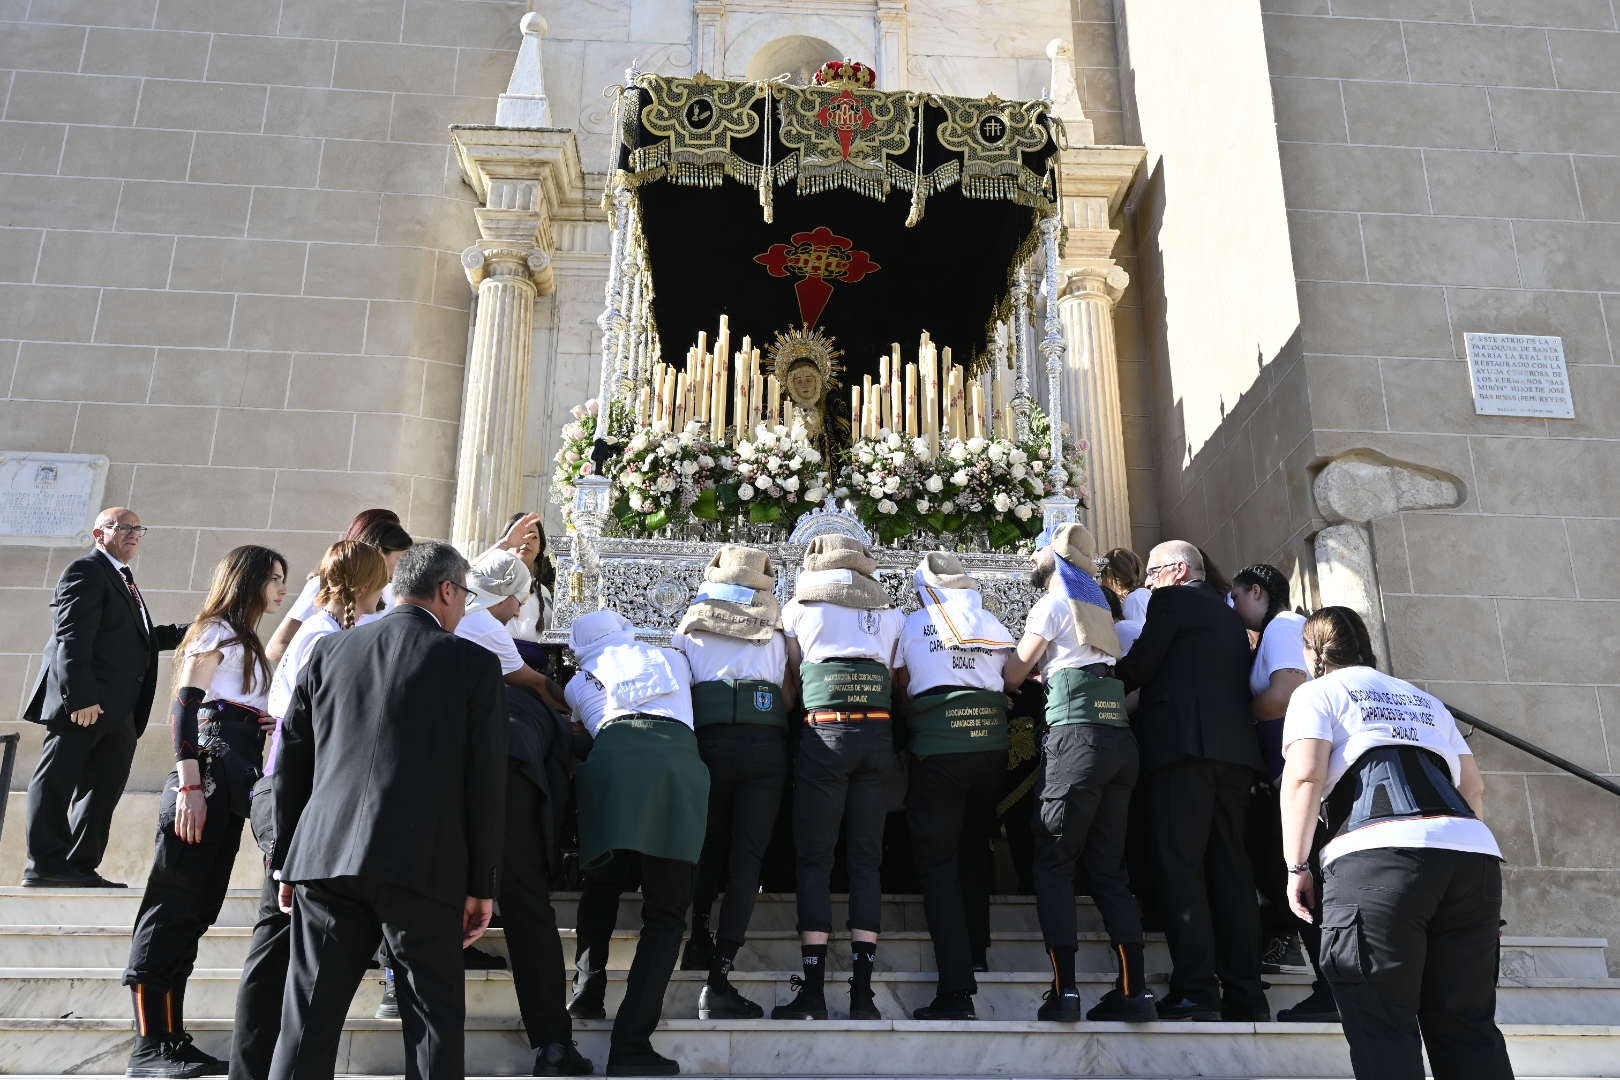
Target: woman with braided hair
<point x="1412" y="879"/>
<point x="353" y="575"/>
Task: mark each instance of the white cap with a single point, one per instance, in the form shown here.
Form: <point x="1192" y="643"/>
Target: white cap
<point x="496" y="575"/>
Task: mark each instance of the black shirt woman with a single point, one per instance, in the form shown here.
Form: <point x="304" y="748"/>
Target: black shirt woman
<point x="219" y="719"/>
<point x="1412" y="879"/>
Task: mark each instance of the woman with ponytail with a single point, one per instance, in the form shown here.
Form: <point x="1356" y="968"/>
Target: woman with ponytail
<point x="379" y="528"/>
<point x="1412" y="879"/>
<point x="218" y="715"/>
<point x="353" y="576"/>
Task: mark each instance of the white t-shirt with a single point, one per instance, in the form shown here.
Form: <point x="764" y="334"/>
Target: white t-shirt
<point x="1052" y="620"/>
<point x="533" y="617"/>
<point x="318" y="625"/>
<point x="715" y="657"/>
<point x="1135" y="605"/>
<point x="227" y="681"/>
<point x="1359" y="708"/>
<point x="929" y="663"/>
<point x="305" y="605"/>
<point x="1282" y="646"/>
<point x="1128" y="630"/>
<point x="482" y="628"/>
<point x="588" y="698"/>
<point x="832" y="632"/>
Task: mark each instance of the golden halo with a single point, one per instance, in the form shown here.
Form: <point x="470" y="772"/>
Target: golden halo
<point x="805" y="343"/>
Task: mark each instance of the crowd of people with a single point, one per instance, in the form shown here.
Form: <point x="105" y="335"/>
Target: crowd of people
<point x="410" y="758"/>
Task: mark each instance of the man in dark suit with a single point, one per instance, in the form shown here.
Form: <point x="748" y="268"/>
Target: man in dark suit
<point x="390" y="796"/>
<point x="1200" y="756"/>
<point x="95" y="689"/>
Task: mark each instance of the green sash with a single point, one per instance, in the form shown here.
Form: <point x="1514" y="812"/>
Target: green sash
<point x="1076" y="696"/>
<point x="643" y="788"/>
<point x="738" y="701"/>
<point x="958" y="722"/>
<point x="850" y="685"/>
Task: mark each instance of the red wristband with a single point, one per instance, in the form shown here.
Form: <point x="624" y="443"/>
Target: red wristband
<point x="190" y="787"/>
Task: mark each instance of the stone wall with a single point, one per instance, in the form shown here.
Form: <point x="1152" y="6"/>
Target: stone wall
<point x="1452" y="167"/>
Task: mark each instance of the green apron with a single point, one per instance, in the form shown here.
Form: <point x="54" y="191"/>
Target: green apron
<point x="845" y="685"/>
<point x="958" y="722"/>
<point x="643" y="788"/>
<point x="738" y="701"/>
<point x="1076" y="696"/>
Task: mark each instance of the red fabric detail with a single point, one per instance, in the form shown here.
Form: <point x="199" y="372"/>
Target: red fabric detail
<point x="817" y="257"/>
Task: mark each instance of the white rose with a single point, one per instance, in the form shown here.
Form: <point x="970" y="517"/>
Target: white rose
<point x="815" y="495"/>
<point x="958" y="452"/>
<point x="666" y="483"/>
<point x="791" y="484"/>
<point x="892" y="440"/>
<point x="877" y="491"/>
<point x="935" y="484"/>
<point x="891" y="485"/>
<point x="745" y="492"/>
<point x="922" y="506"/>
<point x="773" y="463"/>
<point x="1017" y="456"/>
<point x="1019" y="472"/>
<point x="706" y="462"/>
<point x="630" y="478"/>
<point x="689" y="467"/>
<point x="638" y="444"/>
<point x="1037" y="485"/>
<point x="636" y="501"/>
<point x="1003" y="502"/>
<point x="795" y="463"/>
<point x="959" y="478"/>
<point x="946" y="507"/>
<point x="670" y="445"/>
<point x="887" y="507"/>
<point x="864" y="454"/>
<point x="1022" y="512"/>
<point x="857" y="477"/>
<point x="997" y="452"/>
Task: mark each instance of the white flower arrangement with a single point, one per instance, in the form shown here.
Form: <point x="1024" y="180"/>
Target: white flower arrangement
<point x="573" y="459"/>
<point x="989" y="484"/>
<point x="887" y="478"/>
<point x="779" y="475"/>
<point x="664" y="477"/>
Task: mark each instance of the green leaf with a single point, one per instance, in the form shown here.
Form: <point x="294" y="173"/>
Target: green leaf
<point x="762" y="513"/>
<point x="1004" y="532"/>
<point x="707" y="506"/>
<point x="657" y="520"/>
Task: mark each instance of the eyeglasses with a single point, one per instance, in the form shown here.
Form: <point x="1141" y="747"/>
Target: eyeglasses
<point x="458" y="585"/>
<point x="1153" y="570"/>
<point x="132" y="530"/>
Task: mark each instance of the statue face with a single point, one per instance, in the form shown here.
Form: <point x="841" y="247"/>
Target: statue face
<point x="804" y="385"/>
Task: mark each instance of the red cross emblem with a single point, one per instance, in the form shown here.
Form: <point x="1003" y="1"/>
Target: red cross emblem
<point x="845" y="114"/>
<point x="817" y="257"/>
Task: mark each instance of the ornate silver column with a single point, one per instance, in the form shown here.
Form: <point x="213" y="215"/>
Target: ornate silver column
<point x="1057" y="507"/>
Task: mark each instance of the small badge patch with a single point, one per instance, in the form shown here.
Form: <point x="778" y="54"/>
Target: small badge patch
<point x="869" y="622"/>
<point x="764" y="700"/>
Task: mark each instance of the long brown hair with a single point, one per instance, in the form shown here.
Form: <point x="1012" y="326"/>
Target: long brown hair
<point x="1338" y="637"/>
<point x="236" y="598"/>
<point x="1121" y="572"/>
<point x="350" y="569"/>
<point x="367" y="519"/>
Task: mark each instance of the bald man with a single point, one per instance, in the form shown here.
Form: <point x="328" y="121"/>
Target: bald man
<point x="1199" y="760"/>
<point x="96" y="685"/>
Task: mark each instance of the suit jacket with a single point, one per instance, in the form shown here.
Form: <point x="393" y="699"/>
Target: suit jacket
<point x="100" y="651"/>
<point x="540" y="745"/>
<point x="1192" y="665"/>
<point x="393" y="761"/>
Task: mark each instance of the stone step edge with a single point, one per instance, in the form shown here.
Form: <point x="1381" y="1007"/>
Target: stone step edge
<point x="754" y="1027"/>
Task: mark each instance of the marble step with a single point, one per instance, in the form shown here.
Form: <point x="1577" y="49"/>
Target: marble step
<point x="772" y="911"/>
<point x="900" y="1048"/>
<point x="154" y="754"/>
<point x="98" y="993"/>
<point x="765" y="950"/>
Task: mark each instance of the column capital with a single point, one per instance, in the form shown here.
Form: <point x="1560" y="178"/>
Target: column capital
<point x="524" y="177"/>
<point x="506" y="260"/>
<point x="1104" y="281"/>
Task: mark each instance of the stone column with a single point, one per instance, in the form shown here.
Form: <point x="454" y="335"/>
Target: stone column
<point x="711" y="36"/>
<point x="1091" y="395"/>
<point x="525" y="179"/>
<point x="893" y="46"/>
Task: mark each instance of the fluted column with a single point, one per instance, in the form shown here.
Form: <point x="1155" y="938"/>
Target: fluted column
<point x="1091" y="395"/>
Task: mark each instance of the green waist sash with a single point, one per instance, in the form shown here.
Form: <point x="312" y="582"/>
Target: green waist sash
<point x="850" y="685"/>
<point x="738" y="701"/>
<point x="643" y="788"/>
<point x="1076" y="696"/>
<point x="958" y="722"/>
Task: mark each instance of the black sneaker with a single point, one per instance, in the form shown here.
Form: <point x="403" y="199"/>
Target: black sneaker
<point x="807" y="1004"/>
<point x="1318" y="1008"/>
<point x="1237" y="1012"/>
<point x="726" y="1003"/>
<point x="1281" y="954"/>
<point x="861" y="1004"/>
<point x="475" y="959"/>
<point x="183" y="1048"/>
<point x="589" y="1000"/>
<point x="640" y="1060"/>
<point x="561" y="1059"/>
<point x="1136" y="1009"/>
<point x="947" y="1007"/>
<point x="1061" y="1006"/>
<point x="1187" y="1009"/>
<point x="388" y="1007"/>
<point x="160" y="1057"/>
<point x="699" y="952"/>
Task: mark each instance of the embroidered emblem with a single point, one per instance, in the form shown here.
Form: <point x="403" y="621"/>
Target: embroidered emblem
<point x="763" y="700"/>
<point x="817" y="257"/>
<point x="869" y="622"/>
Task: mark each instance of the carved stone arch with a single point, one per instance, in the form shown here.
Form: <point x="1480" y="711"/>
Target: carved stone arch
<point x="797" y="55"/>
<point x="750" y="33"/>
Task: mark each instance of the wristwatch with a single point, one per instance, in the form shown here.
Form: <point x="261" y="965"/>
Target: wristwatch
<point x="1302" y="868"/>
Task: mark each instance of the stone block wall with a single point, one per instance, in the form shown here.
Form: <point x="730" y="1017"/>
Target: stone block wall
<point x="1452" y="167"/>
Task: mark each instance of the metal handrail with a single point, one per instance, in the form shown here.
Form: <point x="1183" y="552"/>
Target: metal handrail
<point x="1535" y="751"/>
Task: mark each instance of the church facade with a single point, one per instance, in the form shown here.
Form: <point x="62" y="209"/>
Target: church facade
<point x="282" y="261"/>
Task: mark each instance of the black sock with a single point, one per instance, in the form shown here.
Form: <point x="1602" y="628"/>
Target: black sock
<point x="1062" y="968"/>
<point x="725" y="955"/>
<point x="865" y="956"/>
<point x="1131" y="980"/>
<point x="814" y="959"/>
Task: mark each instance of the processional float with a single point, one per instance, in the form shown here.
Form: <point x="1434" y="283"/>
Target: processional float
<point x="822" y="314"/>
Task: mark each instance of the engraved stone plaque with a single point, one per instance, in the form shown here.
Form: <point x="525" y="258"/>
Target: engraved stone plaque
<point x="1519" y="375"/>
<point x="49" y="500"/>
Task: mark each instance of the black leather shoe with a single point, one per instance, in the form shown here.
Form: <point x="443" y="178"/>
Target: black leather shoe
<point x="589" y="997"/>
<point x="1318" y="1008"/>
<point x="160" y="1057"/>
<point x="947" y="1007"/>
<point x="1187" y="1009"/>
<point x="1061" y="1006"/>
<point x="699" y="952"/>
<point x="475" y="959"/>
<point x="1137" y="1009"/>
<point x="1260" y="1014"/>
<point x="807" y="1004"/>
<point x="67" y="879"/>
<point x="726" y="1003"/>
<point x="861" y="1003"/>
<point x="561" y="1059"/>
<point x="640" y="1060"/>
<point x="183" y="1048"/>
